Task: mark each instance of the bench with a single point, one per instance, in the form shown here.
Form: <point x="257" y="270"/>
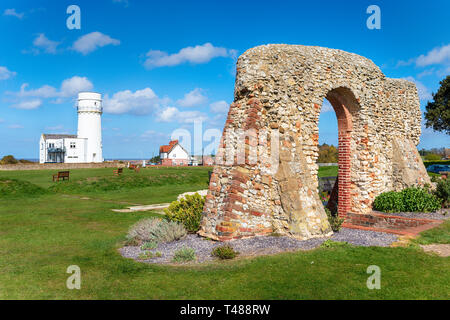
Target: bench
<point x="61" y="175"/>
<point x="118" y="171"/>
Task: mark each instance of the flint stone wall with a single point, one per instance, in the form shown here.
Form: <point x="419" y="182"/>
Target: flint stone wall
<point x="280" y="89"/>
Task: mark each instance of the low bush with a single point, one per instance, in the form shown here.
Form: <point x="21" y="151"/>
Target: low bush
<point x="8" y="160"/>
<point x="334" y="220"/>
<point x="224" y="252"/>
<point x="187" y="211"/>
<point x="155" y="230"/>
<point x="145" y="255"/>
<point x="442" y="191"/>
<point x="408" y="200"/>
<point x="150" y="245"/>
<point x="17" y="188"/>
<point x="184" y="254"/>
<point x="335" y="244"/>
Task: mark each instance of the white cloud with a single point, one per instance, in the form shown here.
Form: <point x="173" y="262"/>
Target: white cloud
<point x="140" y="102"/>
<point x="193" y="98"/>
<point x="42" y="42"/>
<point x="198" y="54"/>
<point x="426" y="73"/>
<point x="219" y="106"/>
<point x="55" y="128"/>
<point x="2" y="120"/>
<point x="15" y="126"/>
<point x="438" y="55"/>
<point x="422" y="90"/>
<point x="28" y="104"/>
<point x="71" y="87"/>
<point x="172" y="114"/>
<point x="92" y="41"/>
<point x="13" y="12"/>
<point x="5" y="73"/>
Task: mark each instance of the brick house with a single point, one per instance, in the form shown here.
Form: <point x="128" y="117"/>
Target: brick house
<point x="173" y="154"/>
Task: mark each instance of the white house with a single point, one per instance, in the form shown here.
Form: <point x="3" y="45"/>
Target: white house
<point x="173" y="154"/>
<point x="86" y="146"/>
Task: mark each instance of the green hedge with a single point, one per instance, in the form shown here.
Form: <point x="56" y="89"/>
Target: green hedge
<point x="407" y="200"/>
<point x="429" y="163"/>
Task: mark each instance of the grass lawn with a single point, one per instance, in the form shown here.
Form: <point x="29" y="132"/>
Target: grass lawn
<point x="41" y="236"/>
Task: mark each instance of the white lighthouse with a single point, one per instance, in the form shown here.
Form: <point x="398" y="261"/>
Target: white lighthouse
<point x="84" y="147"/>
<point x="90" y="124"/>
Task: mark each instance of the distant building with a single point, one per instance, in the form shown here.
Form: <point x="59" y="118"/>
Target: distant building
<point x="173" y="154"/>
<point x="86" y="146"/>
<point x="447" y="153"/>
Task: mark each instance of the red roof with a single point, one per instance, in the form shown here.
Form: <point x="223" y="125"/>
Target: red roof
<point x="166" y="149"/>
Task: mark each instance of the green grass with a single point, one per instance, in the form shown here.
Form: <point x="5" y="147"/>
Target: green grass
<point x="330" y="171"/>
<point x="440" y="234"/>
<point x="41" y="236"/>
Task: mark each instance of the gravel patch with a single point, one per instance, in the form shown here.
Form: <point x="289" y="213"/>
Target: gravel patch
<point x="259" y="245"/>
<point x="441" y="214"/>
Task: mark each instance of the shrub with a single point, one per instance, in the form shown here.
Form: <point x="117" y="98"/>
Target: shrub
<point x="432" y="157"/>
<point x="168" y="231"/>
<point x="187" y="211"/>
<point x="224" y="252"/>
<point x="419" y="200"/>
<point x="335" y="244"/>
<point x="334" y="220"/>
<point x="156" y="230"/>
<point x="442" y="191"/>
<point x="184" y="254"/>
<point x="8" y="160"/>
<point x="391" y="201"/>
<point x="145" y="255"/>
<point x="407" y="200"/>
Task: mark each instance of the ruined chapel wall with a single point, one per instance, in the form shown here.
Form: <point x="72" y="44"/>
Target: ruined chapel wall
<point x="280" y="89"/>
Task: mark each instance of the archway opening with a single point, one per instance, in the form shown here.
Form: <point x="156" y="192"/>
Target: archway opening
<point x="338" y="198"/>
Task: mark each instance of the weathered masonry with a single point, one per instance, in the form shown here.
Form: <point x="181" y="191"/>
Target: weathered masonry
<point x="271" y="185"/>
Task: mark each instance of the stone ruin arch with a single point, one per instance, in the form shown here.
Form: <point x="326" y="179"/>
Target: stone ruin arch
<point x="272" y="185"/>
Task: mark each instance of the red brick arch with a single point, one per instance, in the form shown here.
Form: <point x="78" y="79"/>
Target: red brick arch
<point x="345" y="106"/>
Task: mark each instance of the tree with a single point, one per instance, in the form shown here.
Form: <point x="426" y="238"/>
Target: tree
<point x="8" y="160"/>
<point x="327" y="154"/>
<point x="438" y="111"/>
<point x="155" y="159"/>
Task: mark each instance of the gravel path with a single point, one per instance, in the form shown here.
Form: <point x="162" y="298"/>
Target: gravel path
<point x="441" y="214"/>
<point x="259" y="245"/>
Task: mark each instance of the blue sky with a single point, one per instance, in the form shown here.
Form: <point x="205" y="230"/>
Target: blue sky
<point x="162" y="64"/>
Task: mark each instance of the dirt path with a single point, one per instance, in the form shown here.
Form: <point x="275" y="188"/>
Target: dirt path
<point x="441" y="249"/>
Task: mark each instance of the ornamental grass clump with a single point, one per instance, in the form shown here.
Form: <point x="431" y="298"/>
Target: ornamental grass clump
<point x="155" y="230"/>
<point x="187" y="211"/>
<point x="184" y="254"/>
